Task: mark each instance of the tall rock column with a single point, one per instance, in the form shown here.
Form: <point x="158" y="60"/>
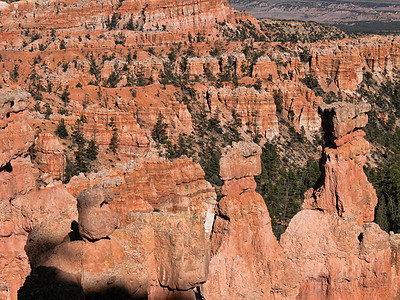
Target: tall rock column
<point x="332" y="242"/>
<point x="343" y="188"/>
<point x="247" y="261"/>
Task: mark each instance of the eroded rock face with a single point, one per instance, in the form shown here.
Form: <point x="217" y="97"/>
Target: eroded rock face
<point x="344" y="189"/>
<point x="342" y="118"/>
<point x="50" y="155"/>
<point x="338" y="253"/>
<point x="145" y="184"/>
<point x="22" y="207"/>
<point x="345" y="61"/>
<point x="157" y="254"/>
<point x="241" y="160"/>
<point x="337" y="258"/>
<point x="256" y="109"/>
<point x="96" y="219"/>
<point x="247" y="261"/>
<point x="16" y="136"/>
<point x="16" y="179"/>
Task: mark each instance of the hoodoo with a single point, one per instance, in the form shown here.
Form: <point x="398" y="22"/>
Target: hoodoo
<point x="132" y="135"/>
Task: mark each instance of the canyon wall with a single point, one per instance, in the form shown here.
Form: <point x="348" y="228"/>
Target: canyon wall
<point x="138" y="223"/>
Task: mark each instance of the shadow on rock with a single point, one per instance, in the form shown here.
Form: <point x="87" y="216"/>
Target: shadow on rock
<point x="50" y="283"/>
<point x="45" y="283"/>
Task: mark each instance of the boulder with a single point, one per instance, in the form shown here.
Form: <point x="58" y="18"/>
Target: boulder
<point x="96" y="219"/>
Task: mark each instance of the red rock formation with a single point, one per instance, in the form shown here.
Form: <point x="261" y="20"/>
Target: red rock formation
<point x="345" y="61"/>
<point x="337" y="252"/>
<point x="16" y="135"/>
<point x="345" y="189"/>
<point x="247" y="261"/>
<point x="50" y="155"/>
<point x="22" y="208"/>
<point x="153" y="256"/>
<point x="96" y="220"/>
<point x="301" y="104"/>
<point x="153" y="22"/>
<point x="146" y="184"/>
<point x="264" y="68"/>
<point x="338" y="259"/>
<point x="256" y="109"/>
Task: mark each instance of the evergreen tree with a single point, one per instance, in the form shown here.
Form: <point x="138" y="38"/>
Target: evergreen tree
<point x="92" y="151"/>
<point x="159" y="133"/>
<point x="69" y="171"/>
<point x="381" y="215"/>
<point x="283" y="187"/>
<point x="77" y="135"/>
<point x="61" y="130"/>
<point x="65" y="95"/>
<point x="81" y="161"/>
<point x="114" y="139"/>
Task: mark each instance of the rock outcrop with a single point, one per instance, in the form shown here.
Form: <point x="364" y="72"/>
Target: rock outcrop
<point x="152" y="183"/>
<point x="338" y="253"/>
<point x="344" y="188"/>
<point x="96" y="220"/>
<point x="256" y="109"/>
<point x="346" y="61"/>
<point x="16" y="179"/>
<point x="158" y="255"/>
<point x="337" y="258"/>
<point x="247" y="261"/>
<point x="50" y="155"/>
<point x="21" y="206"/>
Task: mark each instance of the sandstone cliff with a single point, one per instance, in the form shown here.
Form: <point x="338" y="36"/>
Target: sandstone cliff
<point x="22" y="206"/>
<point x="247" y="261"/>
<point x="331" y="242"/>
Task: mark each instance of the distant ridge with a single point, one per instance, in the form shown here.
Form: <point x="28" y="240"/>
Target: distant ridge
<point x="354" y="15"/>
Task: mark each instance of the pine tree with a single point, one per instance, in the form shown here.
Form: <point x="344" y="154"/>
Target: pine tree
<point x="81" y="161"/>
<point x="114" y="139"/>
<point x="69" y="171"/>
<point x="92" y="151"/>
<point x="65" y="95"/>
<point x="159" y="133"/>
<point x="381" y="216"/>
<point x="114" y="142"/>
<point x="61" y="130"/>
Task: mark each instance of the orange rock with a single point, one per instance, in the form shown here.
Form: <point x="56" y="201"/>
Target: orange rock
<point x="156" y="249"/>
<point x="264" y="68"/>
<point x="16" y="136"/>
<point x="240" y="160"/>
<point x="50" y="155"/>
<point x="346" y="60"/>
<point x="301" y="104"/>
<point x="96" y="220"/>
<point x="256" y="109"/>
<point x="17" y="220"/>
<point x="341" y="118"/>
<point x="247" y="261"/>
<point x="16" y="178"/>
<point x="338" y="258"/>
<point x="344" y="188"/>
<point x="146" y="184"/>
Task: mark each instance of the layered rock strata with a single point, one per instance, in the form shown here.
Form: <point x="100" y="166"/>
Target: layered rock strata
<point x="344" y="63"/>
<point x="152" y="183"/>
<point x="50" y="155"/>
<point x="158" y="255"/>
<point x="331" y="242"/>
<point x="21" y="206"/>
<point x="247" y="262"/>
<point x="256" y="109"/>
<point x="344" y="189"/>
